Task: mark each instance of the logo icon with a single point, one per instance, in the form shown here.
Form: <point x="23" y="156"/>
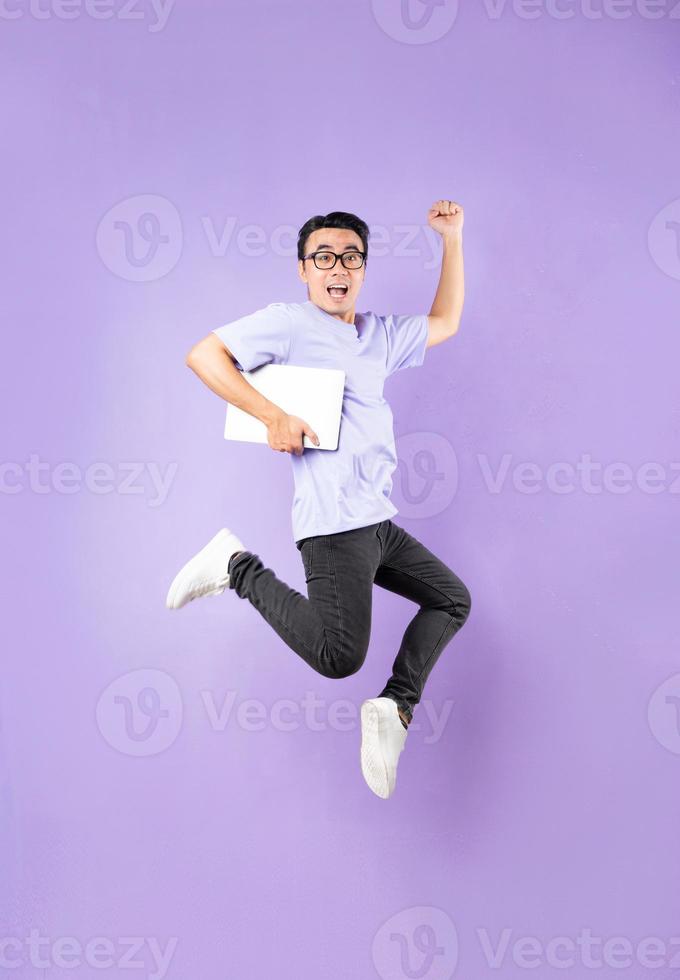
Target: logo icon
<point x="663" y="239"/>
<point x="140" y="713"/>
<point x="419" y="942"/>
<point x="663" y="714"/>
<point x="415" y="21"/>
<point x="140" y="238"/>
<point x="426" y="478"/>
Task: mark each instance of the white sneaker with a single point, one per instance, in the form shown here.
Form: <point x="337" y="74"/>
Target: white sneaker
<point x="206" y="573"/>
<point x="382" y="740"/>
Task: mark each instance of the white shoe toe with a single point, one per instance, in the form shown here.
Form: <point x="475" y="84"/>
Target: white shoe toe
<point x="207" y="572"/>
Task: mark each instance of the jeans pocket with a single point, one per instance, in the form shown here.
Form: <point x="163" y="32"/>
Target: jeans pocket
<point x="307" y="551"/>
<point x="380" y="540"/>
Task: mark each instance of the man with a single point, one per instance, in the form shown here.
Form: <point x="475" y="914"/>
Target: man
<point x="341" y="509"/>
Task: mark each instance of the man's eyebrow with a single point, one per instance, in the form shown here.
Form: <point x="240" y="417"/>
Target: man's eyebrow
<point x="350" y="248"/>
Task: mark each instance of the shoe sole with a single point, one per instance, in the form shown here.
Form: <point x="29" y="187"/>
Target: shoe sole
<point x="372" y="764"/>
<point x="175" y="588"/>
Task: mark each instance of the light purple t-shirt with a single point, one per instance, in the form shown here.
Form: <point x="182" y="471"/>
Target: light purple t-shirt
<point x="349" y="487"/>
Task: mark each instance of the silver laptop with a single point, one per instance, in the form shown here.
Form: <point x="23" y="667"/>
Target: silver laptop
<point x="313" y="394"/>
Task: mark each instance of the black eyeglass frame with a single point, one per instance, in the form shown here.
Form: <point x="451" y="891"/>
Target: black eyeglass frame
<point x="336" y="256"/>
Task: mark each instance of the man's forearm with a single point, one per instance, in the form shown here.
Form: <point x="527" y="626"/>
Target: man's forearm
<point x="450" y="295"/>
<point x="216" y="369"/>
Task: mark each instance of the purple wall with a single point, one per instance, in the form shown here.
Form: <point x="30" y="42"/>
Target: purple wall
<point x="156" y="167"/>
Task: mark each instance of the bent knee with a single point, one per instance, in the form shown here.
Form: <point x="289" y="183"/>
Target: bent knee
<point x="460" y="602"/>
<point x="343" y="663"/>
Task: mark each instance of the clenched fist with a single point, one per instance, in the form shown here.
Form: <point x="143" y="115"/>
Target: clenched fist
<point x="446" y="218"/>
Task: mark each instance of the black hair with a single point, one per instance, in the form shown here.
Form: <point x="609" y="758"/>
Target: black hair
<point x="336" y="219"/>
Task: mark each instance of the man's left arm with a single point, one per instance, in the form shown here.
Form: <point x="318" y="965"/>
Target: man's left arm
<point x="446" y="218"/>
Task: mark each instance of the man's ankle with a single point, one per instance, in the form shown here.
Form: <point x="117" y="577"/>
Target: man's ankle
<point x="232" y="558"/>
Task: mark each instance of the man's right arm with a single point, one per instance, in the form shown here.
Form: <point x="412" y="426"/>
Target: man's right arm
<point x="213" y="362"/>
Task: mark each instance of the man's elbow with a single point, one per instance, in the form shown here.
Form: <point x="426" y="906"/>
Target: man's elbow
<point x="454" y="326"/>
<point x="194" y="357"/>
<point x="199" y="352"/>
<point x="450" y="330"/>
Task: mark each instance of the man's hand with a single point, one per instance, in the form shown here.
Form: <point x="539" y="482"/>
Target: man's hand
<point x="285" y="433"/>
<point x="446" y="218"/>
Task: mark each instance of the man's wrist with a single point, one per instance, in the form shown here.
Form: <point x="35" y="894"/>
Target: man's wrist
<point x="453" y="241"/>
<point x="269" y="412"/>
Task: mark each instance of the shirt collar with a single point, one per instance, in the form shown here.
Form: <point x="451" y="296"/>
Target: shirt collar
<point x="348" y="330"/>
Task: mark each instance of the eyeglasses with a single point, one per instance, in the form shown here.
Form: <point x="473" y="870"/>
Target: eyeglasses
<point x="326" y="260"/>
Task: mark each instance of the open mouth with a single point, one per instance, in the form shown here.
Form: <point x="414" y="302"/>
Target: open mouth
<point x="337" y="291"/>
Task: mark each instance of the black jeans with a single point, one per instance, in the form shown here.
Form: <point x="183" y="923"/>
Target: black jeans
<point x="331" y="628"/>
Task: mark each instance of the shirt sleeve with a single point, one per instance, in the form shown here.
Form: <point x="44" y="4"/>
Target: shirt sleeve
<point x="406" y="340"/>
<point x="259" y="337"/>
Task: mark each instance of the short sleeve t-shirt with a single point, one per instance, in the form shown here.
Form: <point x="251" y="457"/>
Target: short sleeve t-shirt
<point x="349" y="487"/>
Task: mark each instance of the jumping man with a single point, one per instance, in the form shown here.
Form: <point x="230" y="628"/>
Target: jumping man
<point x="341" y="513"/>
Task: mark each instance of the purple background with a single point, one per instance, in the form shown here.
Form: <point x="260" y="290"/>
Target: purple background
<point x="549" y="802"/>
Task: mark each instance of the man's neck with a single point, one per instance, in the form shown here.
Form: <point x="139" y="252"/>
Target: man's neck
<point x="349" y="317"/>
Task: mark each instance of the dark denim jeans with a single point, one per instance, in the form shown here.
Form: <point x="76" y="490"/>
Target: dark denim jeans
<point x="331" y="628"/>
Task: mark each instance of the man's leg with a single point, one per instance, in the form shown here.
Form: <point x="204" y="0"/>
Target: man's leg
<point x="408" y="568"/>
<point x="330" y="629"/>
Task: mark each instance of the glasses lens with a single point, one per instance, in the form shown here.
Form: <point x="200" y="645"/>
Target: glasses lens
<point x="352" y="260"/>
<point x="324" y="260"/>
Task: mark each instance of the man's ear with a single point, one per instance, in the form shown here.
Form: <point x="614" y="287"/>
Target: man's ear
<point x="301" y="270"/>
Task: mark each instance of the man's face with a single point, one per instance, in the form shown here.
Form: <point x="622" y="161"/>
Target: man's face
<point x="337" y="302"/>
